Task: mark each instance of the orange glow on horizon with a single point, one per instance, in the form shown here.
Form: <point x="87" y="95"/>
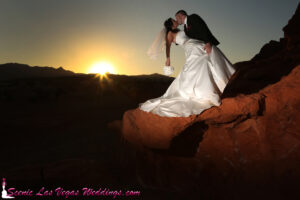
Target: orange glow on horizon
<point x="102" y="68"/>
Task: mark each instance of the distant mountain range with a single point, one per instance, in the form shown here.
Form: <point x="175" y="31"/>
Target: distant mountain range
<point x="9" y="71"/>
<point x="16" y="70"/>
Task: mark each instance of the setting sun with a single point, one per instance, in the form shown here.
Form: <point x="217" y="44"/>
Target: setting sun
<point x="102" y="68"/>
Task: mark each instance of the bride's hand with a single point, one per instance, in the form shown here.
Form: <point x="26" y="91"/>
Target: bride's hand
<point x="168" y="62"/>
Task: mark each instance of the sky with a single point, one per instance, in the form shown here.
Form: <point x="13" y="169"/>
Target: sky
<point x="76" y="34"/>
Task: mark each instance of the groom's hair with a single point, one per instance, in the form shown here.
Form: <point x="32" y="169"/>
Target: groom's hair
<point x="181" y="12"/>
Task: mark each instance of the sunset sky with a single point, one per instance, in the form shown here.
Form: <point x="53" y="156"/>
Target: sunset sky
<point x="75" y="34"/>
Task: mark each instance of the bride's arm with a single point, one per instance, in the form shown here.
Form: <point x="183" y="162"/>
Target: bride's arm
<point x="168" y="48"/>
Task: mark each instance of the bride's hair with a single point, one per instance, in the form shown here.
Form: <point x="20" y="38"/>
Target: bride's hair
<point x="168" y="25"/>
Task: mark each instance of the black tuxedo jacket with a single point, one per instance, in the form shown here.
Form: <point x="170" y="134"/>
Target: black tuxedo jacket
<point x="197" y="29"/>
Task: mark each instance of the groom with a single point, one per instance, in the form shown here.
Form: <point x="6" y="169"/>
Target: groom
<point x="196" y="28"/>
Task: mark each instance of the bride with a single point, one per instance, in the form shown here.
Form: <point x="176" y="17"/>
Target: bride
<point x="199" y="84"/>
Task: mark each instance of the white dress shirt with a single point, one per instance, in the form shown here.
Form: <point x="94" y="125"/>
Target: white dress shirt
<point x="185" y="21"/>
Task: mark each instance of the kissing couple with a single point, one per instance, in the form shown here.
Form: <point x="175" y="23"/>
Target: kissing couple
<point x="202" y="80"/>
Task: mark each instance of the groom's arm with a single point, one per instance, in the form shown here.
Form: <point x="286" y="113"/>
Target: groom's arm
<point x="202" y="31"/>
<point x="200" y="28"/>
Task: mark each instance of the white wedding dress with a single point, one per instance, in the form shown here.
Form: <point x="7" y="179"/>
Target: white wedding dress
<point x="198" y="86"/>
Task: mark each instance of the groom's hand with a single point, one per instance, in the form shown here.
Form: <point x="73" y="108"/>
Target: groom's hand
<point x="207" y="47"/>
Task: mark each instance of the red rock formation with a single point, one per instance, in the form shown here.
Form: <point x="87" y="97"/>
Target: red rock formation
<point x="248" y="147"/>
<point x="275" y="60"/>
<point x="292" y="30"/>
<point x="250" y="140"/>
